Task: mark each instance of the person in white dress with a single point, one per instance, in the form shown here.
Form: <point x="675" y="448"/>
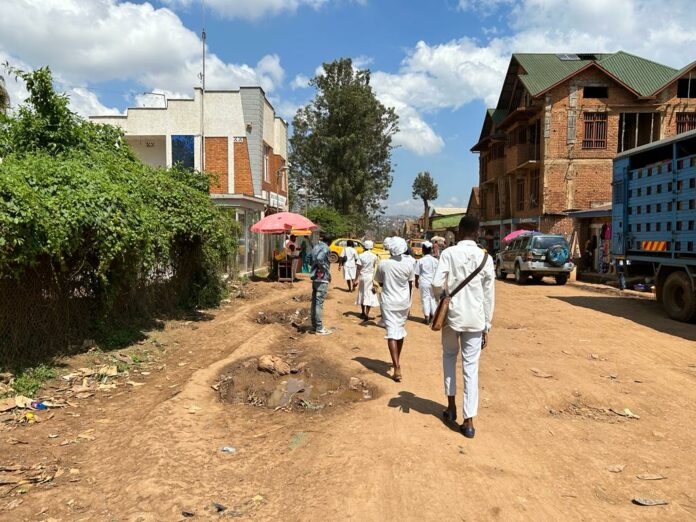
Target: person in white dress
<point x="396" y="275"/>
<point x="367" y="295"/>
<point x="349" y="264"/>
<point x="425" y="271"/>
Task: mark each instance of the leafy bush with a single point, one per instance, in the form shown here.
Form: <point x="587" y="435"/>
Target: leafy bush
<point x="330" y="220"/>
<point x="76" y="203"/>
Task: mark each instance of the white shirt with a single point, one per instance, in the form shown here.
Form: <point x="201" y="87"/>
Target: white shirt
<point x="367" y="261"/>
<point x="394" y="275"/>
<point x="471" y="310"/>
<point x="291" y="253"/>
<point x="425" y="269"/>
<point x="351" y="256"/>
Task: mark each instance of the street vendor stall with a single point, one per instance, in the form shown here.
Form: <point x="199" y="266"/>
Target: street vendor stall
<point x="284" y="223"/>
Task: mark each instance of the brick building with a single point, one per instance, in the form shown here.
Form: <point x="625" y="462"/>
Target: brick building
<point x="547" y="147"/>
<point x="245" y="152"/>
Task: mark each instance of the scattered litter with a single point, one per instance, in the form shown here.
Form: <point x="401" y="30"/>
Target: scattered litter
<point x="229" y="449"/>
<point x="135" y="384"/>
<point x="651" y="476"/>
<point x="193" y="409"/>
<point x="617" y="468"/>
<point x="38" y="406"/>
<point x="625" y="413"/>
<point x="649" y="502"/>
<point x="23" y="402"/>
<point x="188" y="514"/>
<point x="538" y="373"/>
<point x="297" y="440"/>
<point x="107" y="370"/>
<point x="219" y="507"/>
<point x="123" y="358"/>
<point x="52" y="435"/>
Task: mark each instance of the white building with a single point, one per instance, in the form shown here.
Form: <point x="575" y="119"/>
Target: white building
<point x="246" y="150"/>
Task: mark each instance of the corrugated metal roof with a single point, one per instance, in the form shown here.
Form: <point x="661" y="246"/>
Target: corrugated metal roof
<point x="643" y="76"/>
<point x="542" y="70"/>
<point x="447" y="211"/>
<point x="444" y="222"/>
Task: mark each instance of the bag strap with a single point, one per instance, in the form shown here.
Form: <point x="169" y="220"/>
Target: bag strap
<point x="471" y="275"/>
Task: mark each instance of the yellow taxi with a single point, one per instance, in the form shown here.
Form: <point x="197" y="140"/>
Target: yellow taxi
<point x="337" y="246"/>
<point x="416" y="246"/>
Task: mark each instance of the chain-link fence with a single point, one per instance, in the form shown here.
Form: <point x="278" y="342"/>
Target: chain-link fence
<point x="48" y="312"/>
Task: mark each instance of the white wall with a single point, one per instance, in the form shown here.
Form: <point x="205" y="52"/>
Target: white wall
<point x="150" y="149"/>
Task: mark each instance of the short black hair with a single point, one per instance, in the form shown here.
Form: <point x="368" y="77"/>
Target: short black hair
<point x="469" y="225"/>
<point x="350" y="243"/>
<point x="427" y="250"/>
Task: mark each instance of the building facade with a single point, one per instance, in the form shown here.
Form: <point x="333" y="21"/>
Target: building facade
<point x="547" y="147"/>
<point x="233" y="136"/>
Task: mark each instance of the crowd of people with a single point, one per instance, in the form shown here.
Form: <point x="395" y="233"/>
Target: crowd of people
<point x="462" y="273"/>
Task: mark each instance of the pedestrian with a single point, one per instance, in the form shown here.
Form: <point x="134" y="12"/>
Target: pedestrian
<point x="320" y="267"/>
<point x="349" y="264"/>
<point x="292" y="253"/>
<point x="367" y="295"/>
<point x="468" y="318"/>
<point x="425" y="270"/>
<point x="396" y="276"/>
<point x="304" y="256"/>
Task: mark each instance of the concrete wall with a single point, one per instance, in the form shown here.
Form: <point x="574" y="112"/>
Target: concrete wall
<point x="152" y="150"/>
<point x="252" y="107"/>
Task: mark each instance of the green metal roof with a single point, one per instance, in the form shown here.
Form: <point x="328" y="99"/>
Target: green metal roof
<point x="542" y="71"/>
<point x="443" y="222"/>
<point x="497" y="115"/>
<point x="643" y="76"/>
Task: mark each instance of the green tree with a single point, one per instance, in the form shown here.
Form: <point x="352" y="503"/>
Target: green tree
<point x="342" y="142"/>
<point x="330" y="220"/>
<point x="425" y="188"/>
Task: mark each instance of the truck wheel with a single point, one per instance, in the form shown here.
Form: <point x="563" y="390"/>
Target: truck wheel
<point x="561" y="279"/>
<point x="520" y="277"/>
<point x="679" y="298"/>
<point x="500" y="273"/>
<point x="333" y="257"/>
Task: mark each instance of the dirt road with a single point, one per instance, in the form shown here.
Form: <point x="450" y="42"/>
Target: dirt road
<point x="559" y="359"/>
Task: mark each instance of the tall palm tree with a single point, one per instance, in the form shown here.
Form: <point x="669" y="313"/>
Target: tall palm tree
<point x="4" y="96"/>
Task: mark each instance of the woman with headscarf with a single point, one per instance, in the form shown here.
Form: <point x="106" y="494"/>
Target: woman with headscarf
<point x="367" y="295"/>
<point x="349" y="264"/>
<point x="396" y="275"/>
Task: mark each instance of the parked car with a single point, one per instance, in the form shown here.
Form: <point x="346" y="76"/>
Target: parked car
<point x="416" y="246"/>
<point x="337" y="246"/>
<point x="538" y="256"/>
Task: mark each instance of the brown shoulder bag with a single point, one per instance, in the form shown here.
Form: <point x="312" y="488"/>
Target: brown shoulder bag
<point x="440" y="316"/>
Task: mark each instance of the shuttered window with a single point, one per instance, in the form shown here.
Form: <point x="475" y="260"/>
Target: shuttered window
<point x="595" y="130"/>
<point x="686" y="121"/>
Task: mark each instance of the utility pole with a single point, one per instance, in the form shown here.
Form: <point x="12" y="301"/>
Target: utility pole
<point x="203" y="88"/>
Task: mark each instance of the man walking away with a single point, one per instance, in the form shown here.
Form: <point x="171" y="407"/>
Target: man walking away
<point x="320" y="267"/>
<point x="425" y="270"/>
<point x="468" y="319"/>
<point x="396" y="276"/>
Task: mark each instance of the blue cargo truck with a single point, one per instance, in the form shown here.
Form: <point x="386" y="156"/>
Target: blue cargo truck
<point x="654" y="219"/>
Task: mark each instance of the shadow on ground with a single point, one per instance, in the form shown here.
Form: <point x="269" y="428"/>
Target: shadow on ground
<point x="375" y="365"/>
<point x="640" y="311"/>
<point x="407" y="401"/>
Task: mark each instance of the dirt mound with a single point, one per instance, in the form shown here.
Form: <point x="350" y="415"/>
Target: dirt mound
<point x="312" y="385"/>
<point x="295" y="317"/>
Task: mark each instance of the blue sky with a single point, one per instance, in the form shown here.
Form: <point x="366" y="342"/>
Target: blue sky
<point x="440" y="63"/>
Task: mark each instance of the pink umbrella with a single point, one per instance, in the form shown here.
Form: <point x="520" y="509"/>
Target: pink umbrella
<point x="282" y="222"/>
<point x="513" y="235"/>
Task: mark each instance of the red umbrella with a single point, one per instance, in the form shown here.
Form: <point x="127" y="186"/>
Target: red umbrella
<point x="283" y="222"/>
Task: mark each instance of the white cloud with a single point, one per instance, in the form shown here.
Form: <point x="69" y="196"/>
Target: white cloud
<point x="102" y="40"/>
<point x="300" y="82"/>
<point x="86" y="103"/>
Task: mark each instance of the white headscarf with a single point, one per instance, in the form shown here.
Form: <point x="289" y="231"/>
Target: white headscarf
<point x="386" y="242"/>
<point x="427" y="244"/>
<point x="368" y="244"/>
<point x="397" y="246"/>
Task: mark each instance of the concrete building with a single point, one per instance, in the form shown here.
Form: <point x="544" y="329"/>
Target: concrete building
<point x="547" y="147"/>
<point x="244" y="150"/>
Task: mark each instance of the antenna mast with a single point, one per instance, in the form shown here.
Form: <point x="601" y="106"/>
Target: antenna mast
<point x="202" y="76"/>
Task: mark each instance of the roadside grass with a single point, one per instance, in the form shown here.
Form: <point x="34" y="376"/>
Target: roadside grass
<point x="29" y="380"/>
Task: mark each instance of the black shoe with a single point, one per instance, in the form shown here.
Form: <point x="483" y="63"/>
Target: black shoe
<point x="468" y="432"/>
<point x="449" y="415"/>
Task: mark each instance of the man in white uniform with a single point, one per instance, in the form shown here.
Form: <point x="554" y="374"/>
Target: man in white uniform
<point x="367" y="296"/>
<point x="425" y="271"/>
<point x="468" y="320"/>
<point x="349" y="264"/>
<point x="396" y="276"/>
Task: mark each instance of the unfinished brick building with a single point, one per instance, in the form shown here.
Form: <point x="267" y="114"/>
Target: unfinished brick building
<point x="547" y="147"/>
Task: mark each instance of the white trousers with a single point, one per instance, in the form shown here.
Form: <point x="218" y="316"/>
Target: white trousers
<point x="427" y="299"/>
<point x="469" y="343"/>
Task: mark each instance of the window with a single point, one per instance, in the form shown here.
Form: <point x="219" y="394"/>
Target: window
<point x="265" y="163"/>
<point x="595" y="92"/>
<point x="496" y="200"/>
<point x="686" y="121"/>
<point x="595" y="130"/>
<point x="182" y="151"/>
<point x="534" y="189"/>
<point x="520" y="194"/>
<point x="686" y="88"/>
